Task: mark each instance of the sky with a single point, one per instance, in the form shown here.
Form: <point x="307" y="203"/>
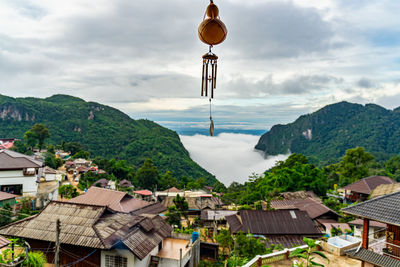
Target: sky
<point x="281" y="59"/>
<point x="229" y="156"/>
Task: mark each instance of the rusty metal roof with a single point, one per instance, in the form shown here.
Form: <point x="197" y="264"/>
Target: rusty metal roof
<point x="282" y="222"/>
<point x="366" y="185"/>
<point x="91" y="226"/>
<point x="115" y="200"/>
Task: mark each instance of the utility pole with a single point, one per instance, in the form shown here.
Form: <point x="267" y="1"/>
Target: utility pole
<point x="180" y="257"/>
<point x="58" y="230"/>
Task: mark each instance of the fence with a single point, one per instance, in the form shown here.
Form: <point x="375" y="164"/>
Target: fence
<point x="261" y="260"/>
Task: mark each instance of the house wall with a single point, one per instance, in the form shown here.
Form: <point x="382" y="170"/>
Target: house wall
<point x="118" y="252"/>
<point x="394" y="231"/>
<point x="50" y="177"/>
<point x="29" y="185"/>
<point x="146" y="261"/>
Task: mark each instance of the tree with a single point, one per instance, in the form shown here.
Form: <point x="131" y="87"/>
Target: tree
<point x="147" y="176"/>
<point x="67" y="191"/>
<point x="307" y="254"/>
<point x="225" y="240"/>
<point x="5" y="215"/>
<point x="72" y="147"/>
<point x="182" y="205"/>
<point x="30" y="139"/>
<point x="168" y="181"/>
<point x="174" y="216"/>
<point x="41" y="133"/>
<point x="247" y="246"/>
<point x="354" y="165"/>
<point x="81" y="154"/>
<point x="52" y="161"/>
<point x="35" y="259"/>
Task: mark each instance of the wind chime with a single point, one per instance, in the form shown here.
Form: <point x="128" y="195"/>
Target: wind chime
<point x="212" y="31"/>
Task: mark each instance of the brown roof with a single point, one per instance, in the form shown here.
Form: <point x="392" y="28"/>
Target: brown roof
<point x="11" y="160"/>
<point x="49" y="170"/>
<point x="313" y="207"/>
<point x="196" y="203"/>
<point x="4" y="242"/>
<point x="125" y="183"/>
<point x="384" y="189"/>
<point x="372" y="223"/>
<point x="92" y="226"/>
<point x="115" y="200"/>
<point x="366" y="185"/>
<point x="155" y="208"/>
<point x="173" y="190"/>
<point x="273" y="222"/>
<point x="299" y="195"/>
<point x="5" y="196"/>
<point x="287" y="241"/>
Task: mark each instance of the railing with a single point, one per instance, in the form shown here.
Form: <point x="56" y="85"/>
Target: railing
<point x="260" y="260"/>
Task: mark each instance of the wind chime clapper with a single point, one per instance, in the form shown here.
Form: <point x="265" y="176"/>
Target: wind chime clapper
<point x="209" y="74"/>
<point x="212" y="31"/>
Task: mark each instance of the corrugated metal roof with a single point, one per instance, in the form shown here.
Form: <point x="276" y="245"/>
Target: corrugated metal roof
<point x="313" y="207"/>
<point x="155" y="208"/>
<point x="366" y="185"/>
<point x="92" y="226"/>
<point x="5" y="196"/>
<point x="270" y="222"/>
<point x="209" y="215"/>
<point x="373" y="258"/>
<point x="4" y="242"/>
<point x="115" y="200"/>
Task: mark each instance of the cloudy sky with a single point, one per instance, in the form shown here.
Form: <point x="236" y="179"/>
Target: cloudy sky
<point x="281" y="58"/>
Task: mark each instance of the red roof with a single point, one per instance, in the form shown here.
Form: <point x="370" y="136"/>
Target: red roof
<point x="143" y="192"/>
<point x="5" y="196"/>
<point x="366" y="185"/>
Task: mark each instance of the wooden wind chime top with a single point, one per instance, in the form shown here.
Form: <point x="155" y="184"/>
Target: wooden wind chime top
<point x="212" y="30"/>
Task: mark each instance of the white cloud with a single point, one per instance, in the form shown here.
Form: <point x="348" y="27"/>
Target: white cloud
<point x="230" y="157"/>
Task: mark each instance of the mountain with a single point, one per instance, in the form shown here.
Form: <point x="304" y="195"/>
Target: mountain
<point x="327" y="133"/>
<point x="103" y="130"/>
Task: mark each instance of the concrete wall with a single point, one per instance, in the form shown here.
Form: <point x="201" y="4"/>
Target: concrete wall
<point x="29" y="185"/>
<point x="118" y="252"/>
<point x="50" y="177"/>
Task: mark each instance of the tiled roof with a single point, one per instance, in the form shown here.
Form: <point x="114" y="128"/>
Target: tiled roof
<point x="92" y="226"/>
<point x="5" y="196"/>
<point x="4" y="242"/>
<point x="143" y="192"/>
<point x="11" y="160"/>
<point x="313" y="207"/>
<point x="282" y="222"/>
<point x="383" y="209"/>
<point x="373" y="258"/>
<point x="115" y="200"/>
<point x="366" y="185"/>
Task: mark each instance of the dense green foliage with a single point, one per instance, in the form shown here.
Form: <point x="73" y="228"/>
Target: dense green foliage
<point x="326" y="134"/>
<point x="35" y="259"/>
<point x="308" y="254"/>
<point x="147" y="175"/>
<point x="52" y="161"/>
<point x="67" y="191"/>
<point x="103" y="130"/>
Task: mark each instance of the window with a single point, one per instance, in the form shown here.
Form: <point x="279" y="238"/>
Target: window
<point x="15" y="189"/>
<point x="116" y="261"/>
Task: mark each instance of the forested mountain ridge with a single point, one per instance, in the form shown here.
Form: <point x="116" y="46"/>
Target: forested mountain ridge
<point x="103" y="130"/>
<point x="327" y="133"/>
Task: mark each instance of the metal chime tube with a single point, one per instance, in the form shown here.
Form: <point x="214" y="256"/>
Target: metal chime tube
<point x="206" y="78"/>
<point x="215" y="75"/>
<point x="212" y="79"/>
<point x="203" y="78"/>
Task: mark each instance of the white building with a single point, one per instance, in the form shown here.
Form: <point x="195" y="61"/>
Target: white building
<point x="18" y="173"/>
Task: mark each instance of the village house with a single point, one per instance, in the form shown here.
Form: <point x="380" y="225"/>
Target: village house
<point x="143" y="194"/>
<point x="125" y="184"/>
<point x="285" y="227"/>
<point x="117" y="201"/>
<point x="196" y="203"/>
<point x="324" y="217"/>
<point x="377" y="229"/>
<point x="19" y="173"/>
<point x="360" y="190"/>
<point x="384" y="209"/>
<point x="7" y="143"/>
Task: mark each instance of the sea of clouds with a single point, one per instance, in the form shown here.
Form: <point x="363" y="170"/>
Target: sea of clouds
<point x="229" y="156"/>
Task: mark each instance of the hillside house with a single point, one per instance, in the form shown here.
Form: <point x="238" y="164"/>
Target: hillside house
<point x="285" y="227"/>
<point x="117" y="201"/>
<point x="323" y="216"/>
<point x="384" y="209"/>
<point x="197" y="203"/>
<point x="93" y="235"/>
<point x="18" y="173"/>
<point x="125" y="184"/>
<point x="143" y="194"/>
<point x="377" y="229"/>
<point x="360" y="190"/>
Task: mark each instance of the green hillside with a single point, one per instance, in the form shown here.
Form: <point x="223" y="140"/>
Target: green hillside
<point x="327" y="133"/>
<point x="103" y="130"/>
